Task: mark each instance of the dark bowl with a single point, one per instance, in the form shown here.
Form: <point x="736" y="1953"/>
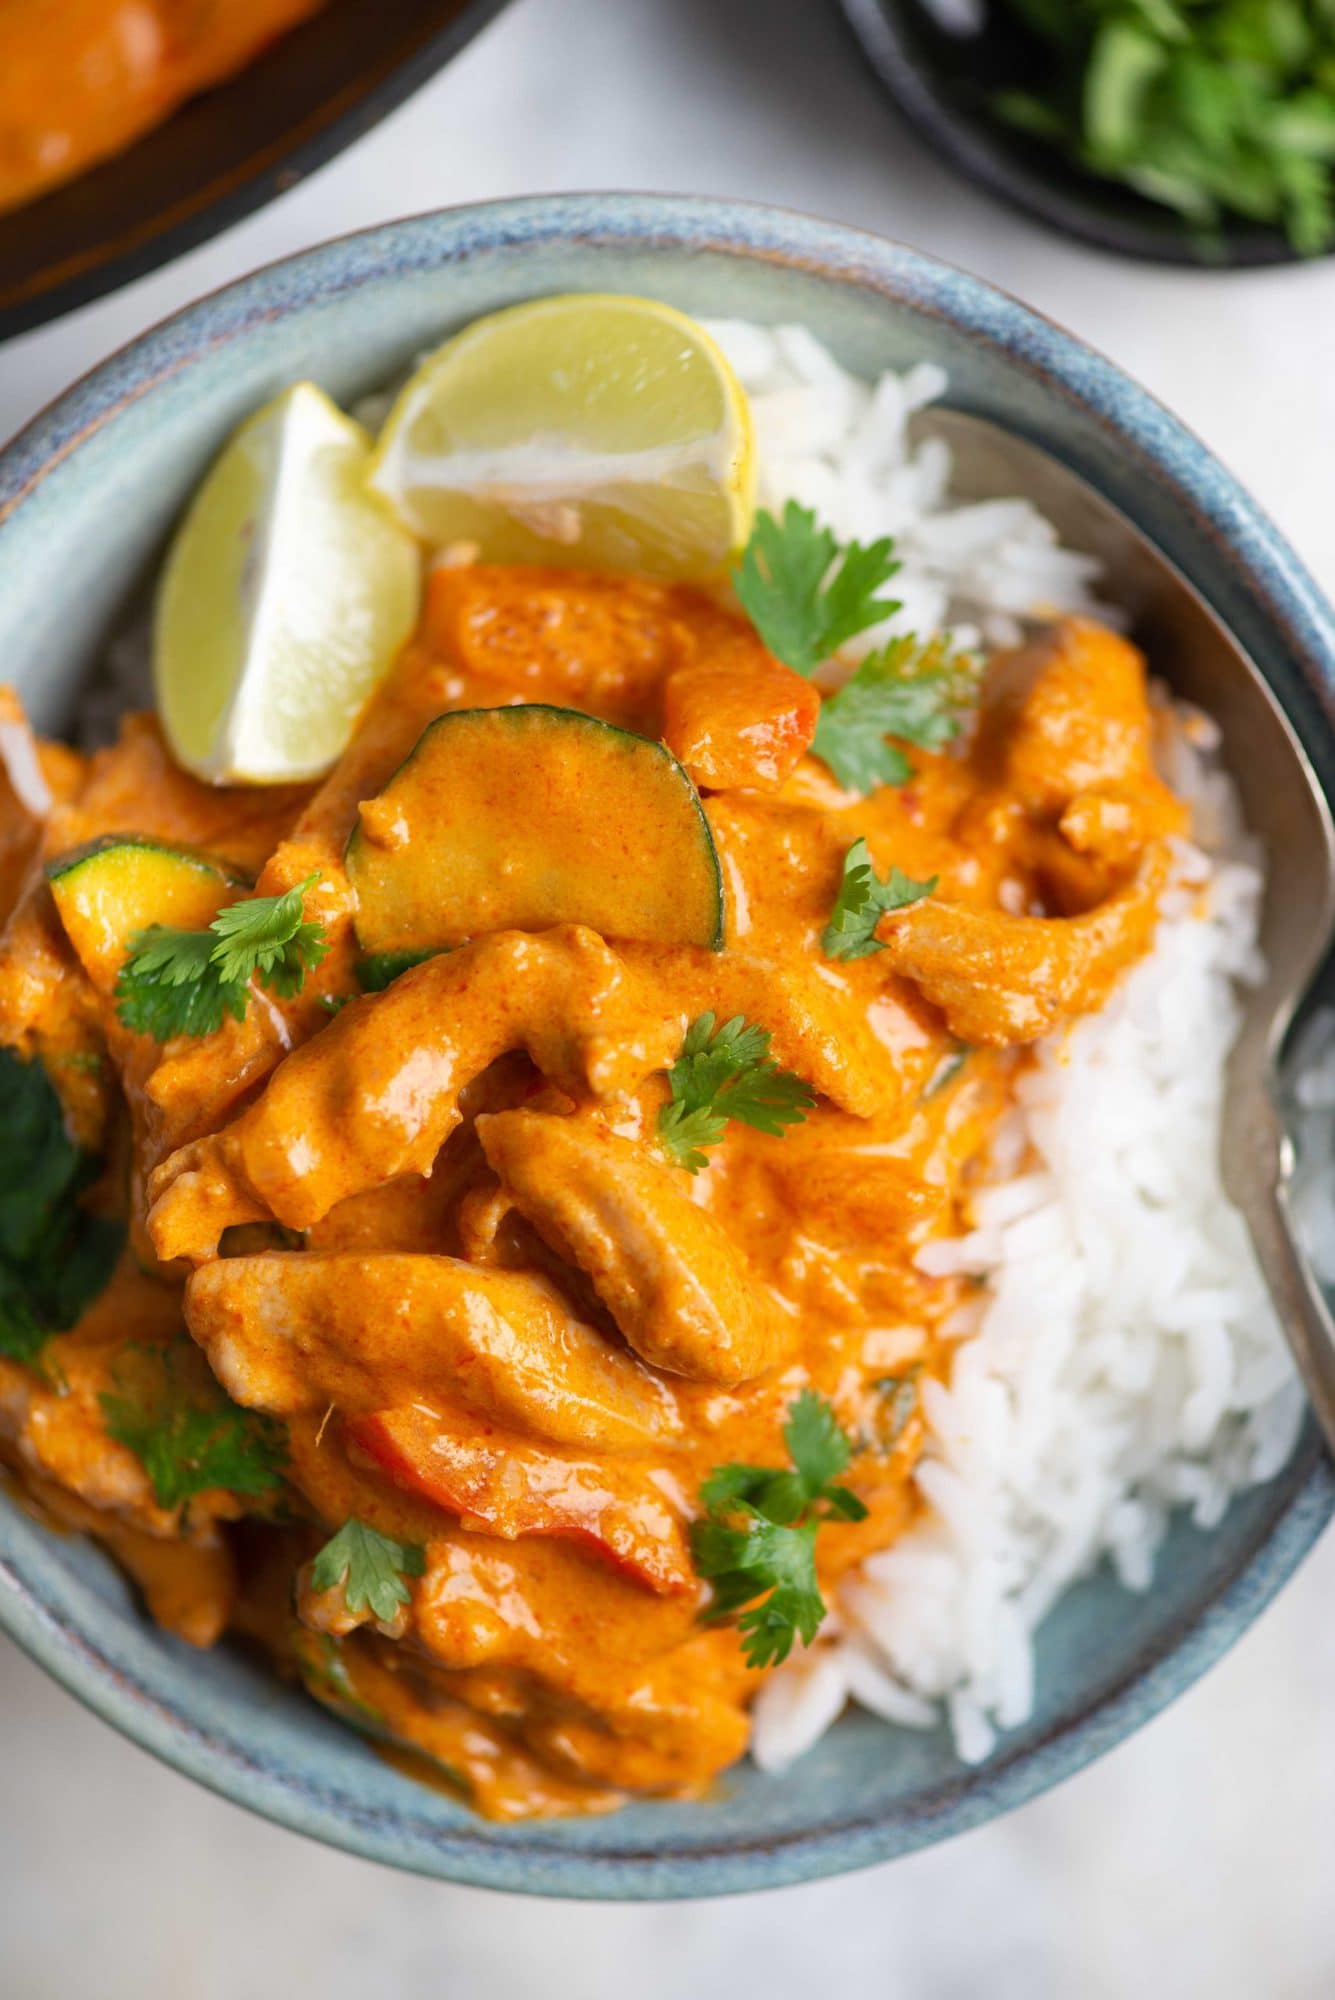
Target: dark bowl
<point x="944" y="84"/>
<point x="226" y="153"/>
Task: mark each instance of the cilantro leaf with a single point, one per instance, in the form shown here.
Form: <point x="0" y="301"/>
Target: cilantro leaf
<point x="268" y="938"/>
<point x="819" y="1449"/>
<point x="1208" y="107"/>
<point x="722" y="1073"/>
<point x="805" y="593"/>
<point x="900" y="1394"/>
<point x="370" y="1566"/>
<point x="757" y="1539"/>
<point x="55" y="1255"/>
<point x="863" y="900"/>
<point x="22" y="1335"/>
<point x="908" y="689"/>
<point x="177" y="982"/>
<point x="187" y="1434"/>
<point x="169" y="985"/>
<point x="946" y="1071"/>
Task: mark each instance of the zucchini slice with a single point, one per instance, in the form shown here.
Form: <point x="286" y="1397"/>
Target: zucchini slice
<point x="523" y="817"/>
<point x="117" y="886"/>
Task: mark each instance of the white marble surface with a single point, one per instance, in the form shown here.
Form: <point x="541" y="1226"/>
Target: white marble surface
<point x="1197" y="1859"/>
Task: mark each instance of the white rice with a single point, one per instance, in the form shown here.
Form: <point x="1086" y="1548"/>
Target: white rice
<point x="1121" y="1359"/>
<point x="843" y="448"/>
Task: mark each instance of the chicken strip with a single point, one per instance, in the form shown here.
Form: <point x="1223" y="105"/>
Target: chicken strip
<point x="1000" y="979"/>
<point x="1065" y="738"/>
<point x="377" y="1094"/>
<point x="289" y="1332"/>
<point x="669" y="1273"/>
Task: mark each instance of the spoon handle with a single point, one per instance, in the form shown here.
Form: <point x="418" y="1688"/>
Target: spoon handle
<point x="1260" y="1177"/>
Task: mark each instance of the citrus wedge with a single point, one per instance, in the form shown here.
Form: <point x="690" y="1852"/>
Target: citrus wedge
<point x="591" y="429"/>
<point x="286" y="594"/>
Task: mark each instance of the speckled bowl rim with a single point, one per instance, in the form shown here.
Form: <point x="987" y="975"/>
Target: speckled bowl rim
<point x="149" y="1710"/>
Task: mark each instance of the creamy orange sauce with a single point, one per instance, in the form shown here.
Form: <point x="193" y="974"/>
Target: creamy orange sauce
<point x="82" y="79"/>
<point x="435" y="1236"/>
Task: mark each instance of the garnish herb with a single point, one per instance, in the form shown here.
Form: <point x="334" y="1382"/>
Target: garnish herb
<point x="806" y="594"/>
<point x="900" y="1393"/>
<point x="725" y="1073"/>
<point x="946" y="1071"/>
<point x="55" y="1257"/>
<point x="758" y="1537"/>
<point x="178" y="982"/>
<point x="863" y="900"/>
<point x="186" y="1433"/>
<point x="370" y="1566"/>
<point x="1204" y="106"/>
<point x="905" y="689"/>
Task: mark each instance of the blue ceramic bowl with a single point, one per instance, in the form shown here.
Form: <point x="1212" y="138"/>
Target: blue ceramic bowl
<point x="86" y="496"/>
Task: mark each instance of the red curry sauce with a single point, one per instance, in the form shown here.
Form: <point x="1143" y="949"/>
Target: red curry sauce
<point x="433" y="1234"/>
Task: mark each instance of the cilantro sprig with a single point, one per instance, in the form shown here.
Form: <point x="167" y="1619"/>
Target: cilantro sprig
<point x="187" y="1434"/>
<point x="55" y="1256"/>
<point x="179" y="982"/>
<point x="1207" y="107"/>
<point x="721" y="1073"/>
<point x="910" y="689"/>
<point x="757" y="1541"/>
<point x="863" y="900"/>
<point x="371" y="1568"/>
<point x="805" y="593"/>
<point x="899" y="1394"/>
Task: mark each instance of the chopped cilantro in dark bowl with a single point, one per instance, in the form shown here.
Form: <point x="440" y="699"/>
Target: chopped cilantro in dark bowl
<point x="1197" y="132"/>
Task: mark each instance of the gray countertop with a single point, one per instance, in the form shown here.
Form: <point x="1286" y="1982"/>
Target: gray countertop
<point x="1196" y="1859"/>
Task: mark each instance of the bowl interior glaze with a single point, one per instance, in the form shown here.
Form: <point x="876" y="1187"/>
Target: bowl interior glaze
<point x="86" y="496"/>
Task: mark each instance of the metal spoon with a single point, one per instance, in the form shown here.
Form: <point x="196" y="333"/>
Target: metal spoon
<point x="1283" y="802"/>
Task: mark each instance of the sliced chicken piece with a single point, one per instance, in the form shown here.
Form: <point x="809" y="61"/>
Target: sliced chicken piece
<point x="377" y="1094"/>
<point x="289" y="1332"/>
<point x="454" y="1741"/>
<point x="670" y="1275"/>
<point x="1065" y="713"/>
<point x="135" y="786"/>
<point x="818" y="1022"/>
<point x="1065" y="734"/>
<point x="845" y="1195"/>
<point x="189" y="1586"/>
<point x="501" y="1484"/>
<point x="1000" y="979"/>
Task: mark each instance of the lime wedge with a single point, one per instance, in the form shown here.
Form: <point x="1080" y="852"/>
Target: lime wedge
<point x="286" y="594"/>
<point x="590" y="429"/>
